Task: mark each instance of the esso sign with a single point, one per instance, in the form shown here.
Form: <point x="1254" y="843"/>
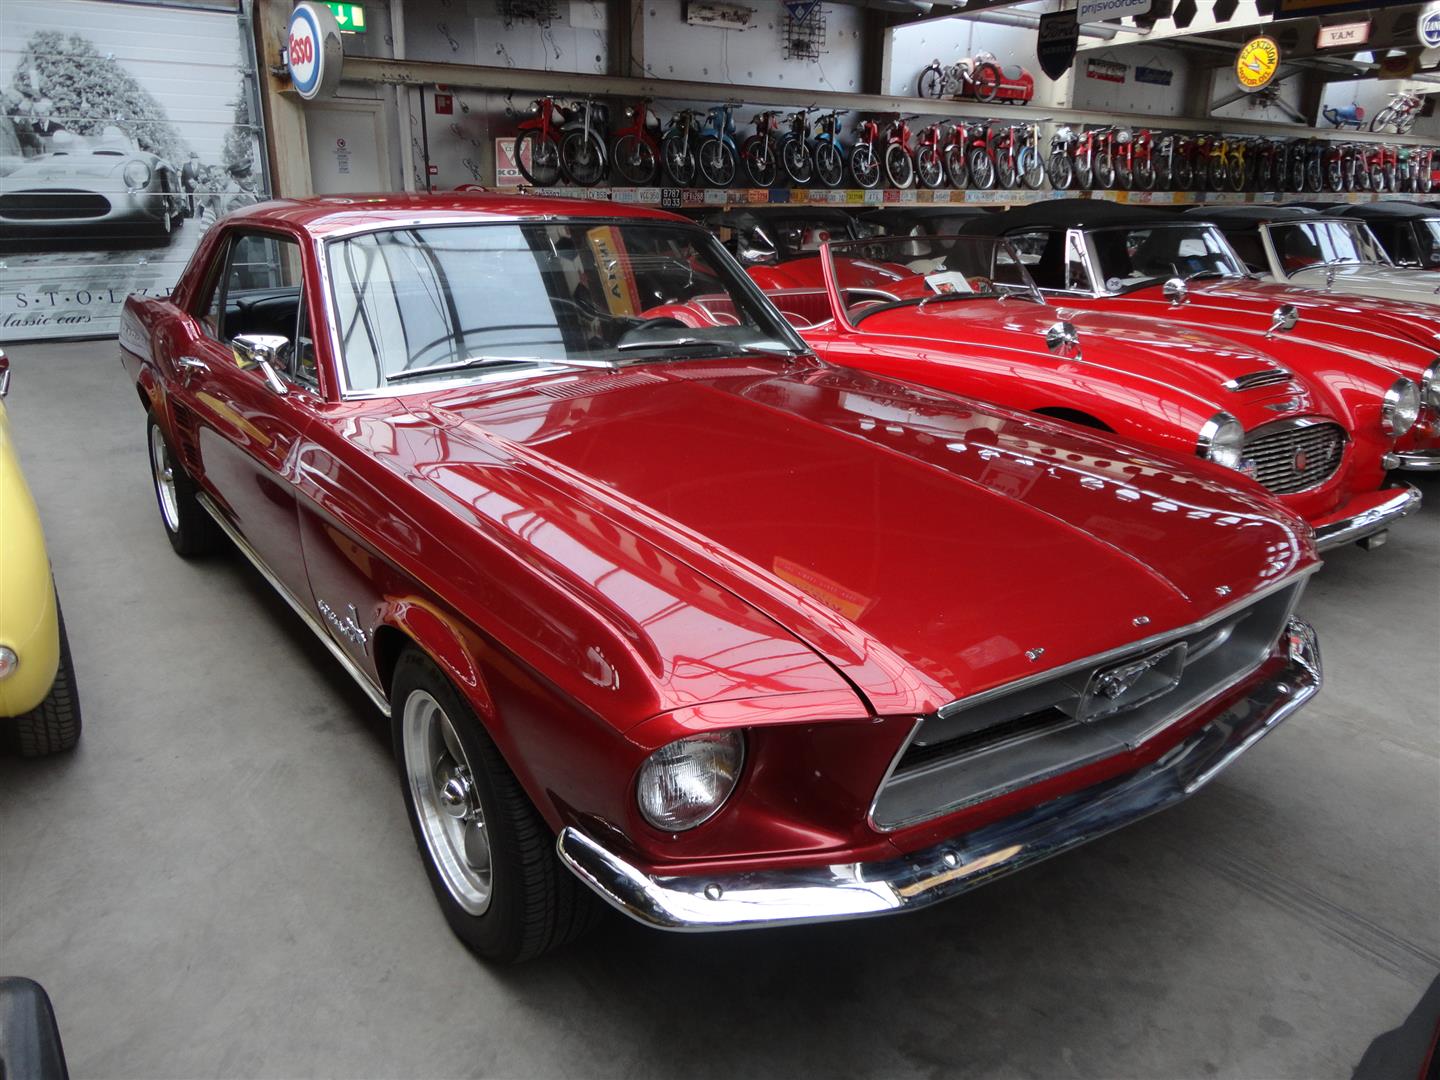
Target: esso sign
<point x="313" y="52"/>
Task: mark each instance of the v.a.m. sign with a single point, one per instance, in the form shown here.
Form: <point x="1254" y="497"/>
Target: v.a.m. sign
<point x="313" y="53"/>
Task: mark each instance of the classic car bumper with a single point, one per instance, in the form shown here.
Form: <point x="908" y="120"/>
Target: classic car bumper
<point x="1399" y="501"/>
<point x="852" y="890"/>
<point x="1414" y="460"/>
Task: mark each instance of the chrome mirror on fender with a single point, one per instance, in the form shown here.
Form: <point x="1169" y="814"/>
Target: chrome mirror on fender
<point x="4" y="374"/>
<point x="262" y="352"/>
<point x="1063" y="337"/>
<point x="1176" y="291"/>
<point x="1283" y="320"/>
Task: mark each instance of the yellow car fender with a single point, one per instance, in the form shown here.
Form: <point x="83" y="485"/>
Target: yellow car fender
<point x="29" y="624"/>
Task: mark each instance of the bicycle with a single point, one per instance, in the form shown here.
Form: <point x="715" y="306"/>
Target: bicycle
<point x="1399" y="112"/>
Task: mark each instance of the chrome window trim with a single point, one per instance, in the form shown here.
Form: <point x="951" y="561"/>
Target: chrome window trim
<point x="1096" y="660"/>
<point x="1097" y="282"/>
<point x="479" y="218"/>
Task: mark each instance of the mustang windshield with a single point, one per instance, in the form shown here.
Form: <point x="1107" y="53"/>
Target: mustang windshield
<point x="445" y="301"/>
<point x="888" y="270"/>
<point x="1303" y="244"/>
<point x="1137" y="256"/>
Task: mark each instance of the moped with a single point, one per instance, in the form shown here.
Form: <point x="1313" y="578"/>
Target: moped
<point x="760" y="153"/>
<point x="582" y="142"/>
<point x="635" y="151"/>
<point x="537" y="146"/>
<point x="677" y="148"/>
<point x="717" y="156"/>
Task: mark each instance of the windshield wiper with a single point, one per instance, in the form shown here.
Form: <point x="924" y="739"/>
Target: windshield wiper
<point x="472" y="362"/>
<point x="709" y="343"/>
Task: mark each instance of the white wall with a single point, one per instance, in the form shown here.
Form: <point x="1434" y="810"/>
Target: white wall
<point x="1131" y="96"/>
<point x="1372" y="94"/>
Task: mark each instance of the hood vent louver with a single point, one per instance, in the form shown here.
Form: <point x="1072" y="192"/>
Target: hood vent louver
<point x="1256" y="379"/>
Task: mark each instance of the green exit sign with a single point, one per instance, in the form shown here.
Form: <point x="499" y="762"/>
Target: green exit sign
<point x="351" y="17"/>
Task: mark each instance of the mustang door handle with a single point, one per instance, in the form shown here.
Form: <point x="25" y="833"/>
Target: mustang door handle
<point x="191" y="363"/>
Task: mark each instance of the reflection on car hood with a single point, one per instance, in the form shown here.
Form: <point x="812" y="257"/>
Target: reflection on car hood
<point x="1390" y="281"/>
<point x="928" y="547"/>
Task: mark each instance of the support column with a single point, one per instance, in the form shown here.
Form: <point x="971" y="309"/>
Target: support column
<point x="626" y="25"/>
<point x="288" y="149"/>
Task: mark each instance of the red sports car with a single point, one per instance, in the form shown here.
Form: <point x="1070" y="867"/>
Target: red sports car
<point x="674" y="611"/>
<point x="961" y="314"/>
<point x="1103" y="256"/>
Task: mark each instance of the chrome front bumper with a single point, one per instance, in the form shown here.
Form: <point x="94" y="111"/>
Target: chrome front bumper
<point x="1406" y="500"/>
<point x="853" y="890"/>
<point x="1414" y="460"/>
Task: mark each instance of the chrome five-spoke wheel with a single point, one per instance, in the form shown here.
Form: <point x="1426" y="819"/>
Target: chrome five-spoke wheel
<point x="447" y="804"/>
<point x="164" y="470"/>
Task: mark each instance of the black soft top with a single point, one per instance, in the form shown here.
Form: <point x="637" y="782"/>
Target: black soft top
<point x="1069" y="214"/>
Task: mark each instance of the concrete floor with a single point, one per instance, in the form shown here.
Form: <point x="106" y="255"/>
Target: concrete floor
<point x="221" y="880"/>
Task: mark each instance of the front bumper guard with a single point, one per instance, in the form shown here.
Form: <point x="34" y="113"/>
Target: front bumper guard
<point x="1414" y="460"/>
<point x="1406" y="500"/>
<point x="853" y="890"/>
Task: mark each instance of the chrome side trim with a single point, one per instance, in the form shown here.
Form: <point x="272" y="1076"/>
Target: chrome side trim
<point x="372" y="691"/>
<point x="745" y="900"/>
<point x="1406" y="500"/>
<point x="1414" y="460"/>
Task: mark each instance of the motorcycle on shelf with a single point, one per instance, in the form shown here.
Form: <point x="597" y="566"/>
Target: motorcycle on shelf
<point x="794" y="151"/>
<point x="635" y="151"/>
<point x="760" y="152"/>
<point x="1399" y="113"/>
<point x="583" y="141"/>
<point x="899" y="161"/>
<point x="1016" y="152"/>
<point x="829" y="154"/>
<point x="537" y="146"/>
<point x="717" y="155"/>
<point x="864" y="154"/>
<point x="678" y="147"/>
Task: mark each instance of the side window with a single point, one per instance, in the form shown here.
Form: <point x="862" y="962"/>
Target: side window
<point x="1250" y="248"/>
<point x="264" y="294"/>
<point x="209" y="309"/>
<point x="1076" y="276"/>
<point x="1041" y="251"/>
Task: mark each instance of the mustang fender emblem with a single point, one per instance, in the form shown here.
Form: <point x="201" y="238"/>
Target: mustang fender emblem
<point x="347" y="627"/>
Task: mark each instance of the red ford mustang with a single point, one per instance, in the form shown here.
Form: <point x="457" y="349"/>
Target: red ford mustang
<point x="678" y="613"/>
<point x="962" y="314"/>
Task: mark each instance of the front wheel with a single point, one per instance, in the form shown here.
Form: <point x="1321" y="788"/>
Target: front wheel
<point x="582" y="157"/>
<point x="1104" y="170"/>
<point x="717" y="162"/>
<point x="829" y="164"/>
<point x="796" y="161"/>
<point x="864" y="166"/>
<point x="1145" y="175"/>
<point x="53" y="726"/>
<point x="931" y="83"/>
<point x="929" y="168"/>
<point x="956" y="167"/>
<point x="487" y="851"/>
<point x="1377" y="178"/>
<point x="1005" y="170"/>
<point x="1382" y="118"/>
<point x="1060" y="170"/>
<point x="635" y="160"/>
<point x="1082" y="166"/>
<point x="758" y="155"/>
<point x="1235" y="175"/>
<point x="678" y="160"/>
<point x="982" y="170"/>
<point x="899" y="166"/>
<point x="190" y="530"/>
<point x="985" y="83"/>
<point x="538" y="158"/>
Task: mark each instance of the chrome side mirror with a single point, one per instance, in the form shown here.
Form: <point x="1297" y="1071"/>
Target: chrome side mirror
<point x="1063" y="337"/>
<point x="4" y="374"/>
<point x="1283" y="320"/>
<point x="261" y="351"/>
<point x="1176" y="291"/>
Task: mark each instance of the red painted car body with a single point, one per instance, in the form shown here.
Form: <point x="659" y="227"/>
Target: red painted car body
<point x="1077" y="244"/>
<point x="603" y="561"/>
<point x="1154" y="382"/>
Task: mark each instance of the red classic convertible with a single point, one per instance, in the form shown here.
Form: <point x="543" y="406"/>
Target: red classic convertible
<point x="961" y="313"/>
<point x="664" y="607"/>
<point x="1102" y="256"/>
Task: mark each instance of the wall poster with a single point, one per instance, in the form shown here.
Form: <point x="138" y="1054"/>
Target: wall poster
<point x="127" y="130"/>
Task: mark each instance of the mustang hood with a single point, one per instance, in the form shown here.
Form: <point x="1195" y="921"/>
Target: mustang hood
<point x="928" y="547"/>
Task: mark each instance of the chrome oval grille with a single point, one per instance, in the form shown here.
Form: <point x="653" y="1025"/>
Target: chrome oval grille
<point x="1295" y="455"/>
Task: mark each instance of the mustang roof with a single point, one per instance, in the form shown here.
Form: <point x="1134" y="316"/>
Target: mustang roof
<point x="1403" y="211"/>
<point x="326" y="214"/>
<point x="1069" y="213"/>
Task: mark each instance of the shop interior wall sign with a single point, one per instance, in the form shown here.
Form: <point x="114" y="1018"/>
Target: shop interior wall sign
<point x="1256" y="63"/>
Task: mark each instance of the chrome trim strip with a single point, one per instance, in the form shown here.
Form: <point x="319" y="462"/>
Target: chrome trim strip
<point x="1414" y="460"/>
<point x="1347" y="530"/>
<point x="746" y="900"/>
<point x="373" y="692"/>
<point x="1276" y="376"/>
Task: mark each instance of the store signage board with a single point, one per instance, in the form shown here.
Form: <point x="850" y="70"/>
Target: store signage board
<point x="313" y="54"/>
<point x="1095" y="10"/>
<point x="724" y="16"/>
<point x="1105" y="70"/>
<point x="1056" y="41"/>
<point x="1154" y="76"/>
<point x="1427" y="25"/>
<point x="1342" y="34"/>
<point x="1256" y="64"/>
<point x="800" y="11"/>
<point x="349" y="17"/>
<point x="507" y="168"/>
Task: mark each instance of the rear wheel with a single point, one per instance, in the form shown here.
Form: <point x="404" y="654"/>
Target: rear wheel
<point x="538" y="159"/>
<point x="487" y="851"/>
<point x="190" y="530"/>
<point x="53" y="726"/>
<point x="986" y="82"/>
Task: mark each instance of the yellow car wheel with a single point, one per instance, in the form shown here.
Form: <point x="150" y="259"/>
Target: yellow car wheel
<point x="53" y="726"/>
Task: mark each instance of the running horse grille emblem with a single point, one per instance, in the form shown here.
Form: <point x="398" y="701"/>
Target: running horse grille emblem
<point x="1132" y="684"/>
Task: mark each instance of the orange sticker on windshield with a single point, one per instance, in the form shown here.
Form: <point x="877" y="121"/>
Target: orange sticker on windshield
<point x="612" y="263"/>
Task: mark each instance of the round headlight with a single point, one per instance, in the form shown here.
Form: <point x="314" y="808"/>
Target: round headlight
<point x="136" y="174"/>
<point x="684" y="784"/>
<point x="8" y="662"/>
<point x="535" y="108"/>
<point x="1401" y="408"/>
<point x="1222" y="440"/>
<point x="1430" y="386"/>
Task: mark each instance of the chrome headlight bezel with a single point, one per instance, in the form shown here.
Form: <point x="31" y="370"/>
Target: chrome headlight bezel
<point x="1400" y="408"/>
<point x="9" y="662"/>
<point x="1222" y="440"/>
<point x="718" y="758"/>
<point x="135" y="181"/>
<point x="1430" y="385"/>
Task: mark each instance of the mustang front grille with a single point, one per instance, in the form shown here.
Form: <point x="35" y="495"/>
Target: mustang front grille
<point x="1293" y="455"/>
<point x="54" y="203"/>
<point x="983" y="747"/>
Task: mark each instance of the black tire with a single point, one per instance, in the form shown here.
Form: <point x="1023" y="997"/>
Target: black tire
<point x="899" y="166"/>
<point x="53" y="726"/>
<point x="931" y="83"/>
<point x="986" y="82"/>
<point x="1083" y="169"/>
<point x="634" y="160"/>
<point x="534" y="903"/>
<point x="1060" y="171"/>
<point x="829" y="164"/>
<point x="544" y="167"/>
<point x="582" y="157"/>
<point x="1123" y="178"/>
<point x="956" y="167"/>
<point x="1104" y="174"/>
<point x="190" y="530"/>
<point x="796" y="161"/>
<point x="717" y="162"/>
<point x="677" y="161"/>
<point x="864" y="166"/>
<point x="1006" y="174"/>
<point x="982" y="170"/>
<point x="929" y="169"/>
<point x="1145" y="175"/>
<point x="761" y="161"/>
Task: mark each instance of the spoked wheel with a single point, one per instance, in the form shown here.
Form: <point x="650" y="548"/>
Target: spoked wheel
<point x="487" y="852"/>
<point x="538" y="159"/>
<point x="679" y="162"/>
<point x="1145" y="175"/>
<point x="717" y="163"/>
<point x="1122" y="178"/>
<point x="982" y="170"/>
<point x="1377" y="178"/>
<point x="1083" y="170"/>
<point x="1235" y="175"/>
<point x="582" y="158"/>
<point x="931" y="83"/>
<point x="795" y="160"/>
<point x="899" y="166"/>
<point x="1184" y="175"/>
<point x="1060" y="171"/>
<point x="956" y="167"/>
<point x="1005" y="171"/>
<point x="986" y="82"/>
<point x="864" y="166"/>
<point x="759" y="157"/>
<point x="929" y="168"/>
<point x="1104" y="170"/>
<point x="829" y="164"/>
<point x="635" y="160"/>
<point x="1334" y="177"/>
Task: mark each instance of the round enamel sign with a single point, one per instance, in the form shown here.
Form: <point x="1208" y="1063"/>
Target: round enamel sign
<point x="313" y="54"/>
<point x="1257" y="63"/>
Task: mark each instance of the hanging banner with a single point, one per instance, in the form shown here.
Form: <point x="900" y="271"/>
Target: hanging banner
<point x="1154" y="76"/>
<point x="1256" y="63"/>
<point x="1343" y="34"/>
<point x="1056" y="41"/>
<point x="1095" y="10"/>
<point x="1106" y="70"/>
